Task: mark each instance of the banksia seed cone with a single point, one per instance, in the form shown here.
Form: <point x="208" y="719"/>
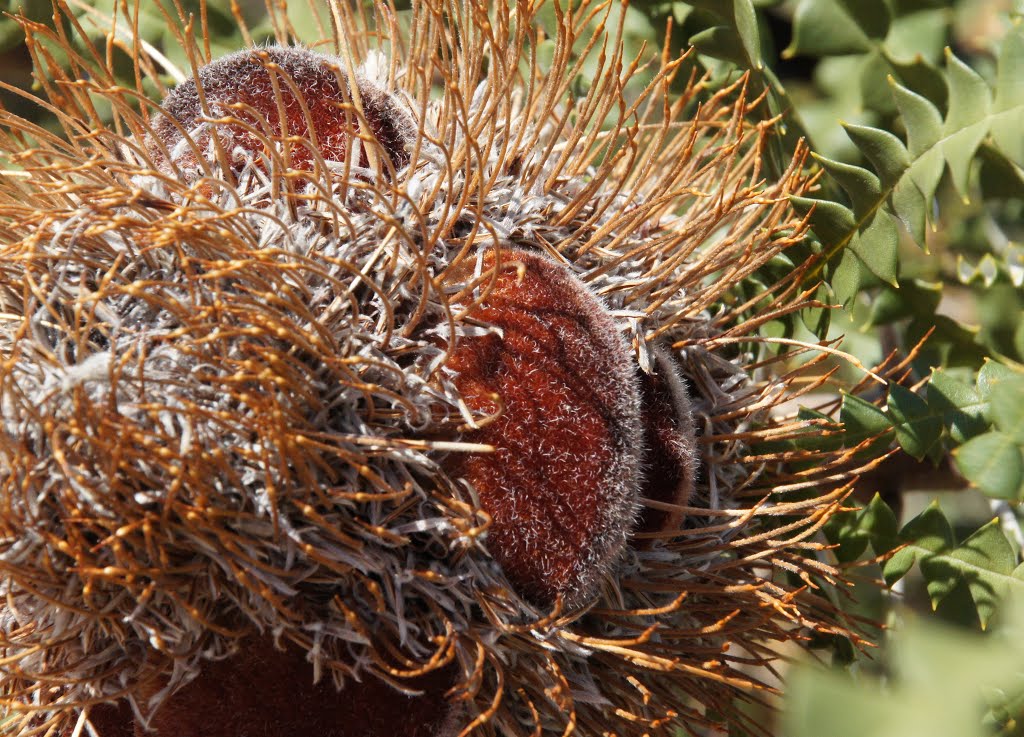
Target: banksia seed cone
<point x="299" y="99"/>
<point x="326" y="442"/>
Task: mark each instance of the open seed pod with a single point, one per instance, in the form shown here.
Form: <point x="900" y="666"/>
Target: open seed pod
<point x="465" y="430"/>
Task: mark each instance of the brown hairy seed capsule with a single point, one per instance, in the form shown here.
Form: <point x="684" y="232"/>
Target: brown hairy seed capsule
<point x="561" y="486"/>
<point x="300" y="98"/>
<point x="264" y="691"/>
<point x="670" y="442"/>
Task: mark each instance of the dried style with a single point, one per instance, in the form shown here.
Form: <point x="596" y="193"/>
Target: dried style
<point x="434" y="385"/>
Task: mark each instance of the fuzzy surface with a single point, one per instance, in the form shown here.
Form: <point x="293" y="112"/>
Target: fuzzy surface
<point x="275" y="93"/>
<point x="263" y="691"/>
<point x="562" y="483"/>
<point x="266" y="691"/>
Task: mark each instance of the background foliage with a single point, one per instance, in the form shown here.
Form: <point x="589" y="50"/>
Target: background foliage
<point x="915" y="112"/>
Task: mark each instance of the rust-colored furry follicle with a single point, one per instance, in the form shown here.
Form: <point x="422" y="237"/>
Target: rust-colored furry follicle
<point x="557" y="382"/>
<point x="265" y="691"/>
<point x="414" y="434"/>
<point x="286" y="104"/>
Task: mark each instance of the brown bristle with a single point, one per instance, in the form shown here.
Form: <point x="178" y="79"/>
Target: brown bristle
<point x="264" y="691"/>
<point x="255" y="87"/>
<point x="669" y="438"/>
<point x="561" y="484"/>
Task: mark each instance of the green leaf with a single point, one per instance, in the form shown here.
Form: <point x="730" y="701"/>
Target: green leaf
<point x="885" y="151"/>
<point x="720" y="42"/>
<point x="993" y="463"/>
<point x="833" y="27"/>
<point x="1009" y="99"/>
<point x="862" y="420"/>
<point x="924" y="134"/>
<point x="1007" y="407"/>
<point x="960" y="405"/>
<point x="991" y="374"/>
<point x="929" y="533"/>
<point x="852" y="532"/>
<point x="918" y="428"/>
<point x="746" y="27"/>
<point x="863" y="187"/>
<point x="985" y="561"/>
<point x="875" y="241"/>
<point x="967" y="122"/>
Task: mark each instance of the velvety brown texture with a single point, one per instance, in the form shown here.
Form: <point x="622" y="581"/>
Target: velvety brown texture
<point x="110" y="720"/>
<point x="561" y="486"/>
<point x="266" y="692"/>
<point x="241" y="86"/>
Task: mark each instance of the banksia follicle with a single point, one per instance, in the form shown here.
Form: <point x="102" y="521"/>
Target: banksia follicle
<point x="468" y="415"/>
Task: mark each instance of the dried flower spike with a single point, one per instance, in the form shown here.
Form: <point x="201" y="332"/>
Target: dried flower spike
<point x="249" y="418"/>
<point x="288" y="104"/>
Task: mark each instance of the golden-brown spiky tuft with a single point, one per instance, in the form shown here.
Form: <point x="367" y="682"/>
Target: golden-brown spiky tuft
<point x="227" y="405"/>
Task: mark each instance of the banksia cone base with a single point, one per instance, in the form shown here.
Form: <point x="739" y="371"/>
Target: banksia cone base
<point x="404" y="424"/>
<point x="556" y="381"/>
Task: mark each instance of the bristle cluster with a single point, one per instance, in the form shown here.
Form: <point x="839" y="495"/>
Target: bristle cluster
<point x="393" y="418"/>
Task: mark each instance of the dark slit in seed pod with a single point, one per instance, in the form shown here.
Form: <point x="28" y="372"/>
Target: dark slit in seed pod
<point x="274" y="95"/>
<point x="670" y="442"/>
<point x="561" y="485"/>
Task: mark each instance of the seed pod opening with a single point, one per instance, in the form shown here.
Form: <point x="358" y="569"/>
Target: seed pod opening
<point x="670" y="444"/>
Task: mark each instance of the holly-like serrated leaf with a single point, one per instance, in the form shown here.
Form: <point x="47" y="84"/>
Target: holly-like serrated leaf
<point x="875" y="525"/>
<point x="976" y="126"/>
<point x="862" y="420"/>
<point x="1009" y="98"/>
<point x="1007" y="407"/>
<point x="918" y="426"/>
<point x="833" y="27"/>
<point x="967" y="121"/>
<point x="874" y="241"/>
<point x="916" y="187"/>
<point x="927" y="534"/>
<point x="985" y="561"/>
<point x="886" y="152"/>
<point x="993" y="463"/>
<point x="960" y="406"/>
